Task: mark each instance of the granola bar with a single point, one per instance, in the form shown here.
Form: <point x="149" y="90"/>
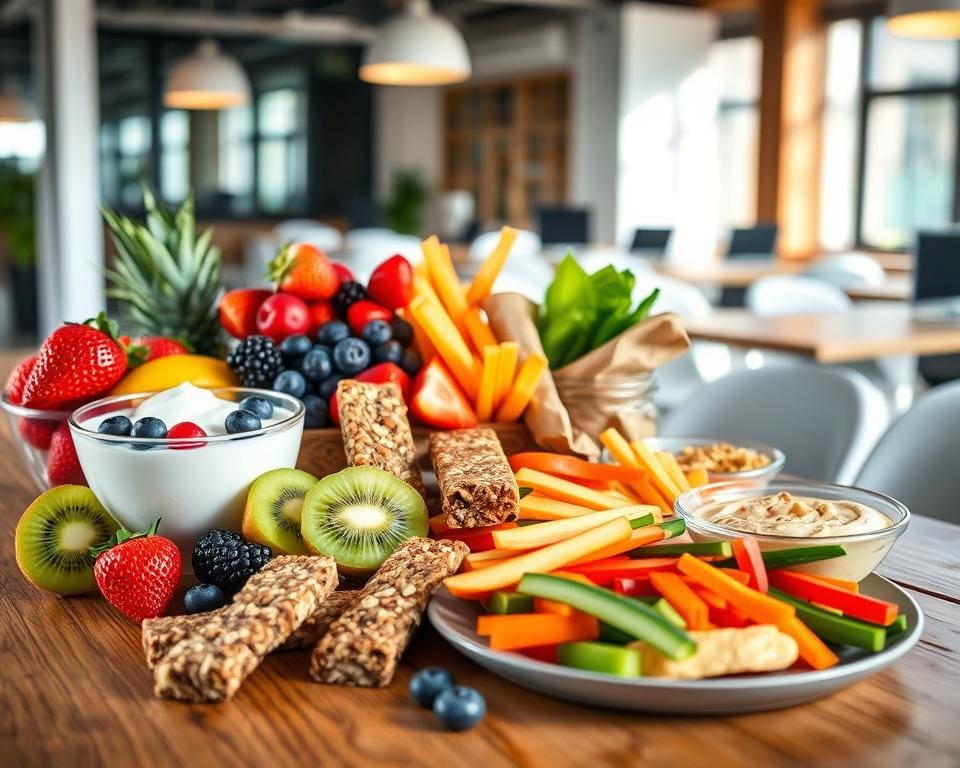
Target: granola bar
<point x="212" y="661"/>
<point x="376" y="433"/>
<point x="364" y="645"/>
<point x="160" y="635"/>
<point x="477" y="486"/>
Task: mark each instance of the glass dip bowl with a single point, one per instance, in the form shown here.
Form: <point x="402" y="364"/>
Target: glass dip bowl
<point x="762" y="474"/>
<point x="31" y="431"/>
<point x="193" y="484"/>
<point x="864" y="551"/>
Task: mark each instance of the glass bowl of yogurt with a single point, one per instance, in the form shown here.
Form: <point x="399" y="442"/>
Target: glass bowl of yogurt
<point x="799" y="514"/>
<point x="192" y="483"/>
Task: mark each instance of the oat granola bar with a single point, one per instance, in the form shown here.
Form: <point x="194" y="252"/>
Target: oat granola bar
<point x="477" y="486"/>
<point x="161" y="634"/>
<point x="212" y="661"/>
<point x="364" y="645"/>
<point x="375" y="430"/>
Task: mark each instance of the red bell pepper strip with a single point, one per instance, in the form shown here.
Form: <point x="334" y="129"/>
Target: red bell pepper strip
<point x="637" y="586"/>
<point x="853" y="605"/>
<point x="750" y="561"/>
<point x="603" y="572"/>
<point x="476" y="539"/>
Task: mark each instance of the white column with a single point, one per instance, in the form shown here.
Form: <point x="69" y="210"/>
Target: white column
<point x="70" y="233"/>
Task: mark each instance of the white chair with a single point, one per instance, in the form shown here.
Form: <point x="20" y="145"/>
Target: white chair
<point x="916" y="459"/>
<point x="847" y="270"/>
<point x="527" y="244"/>
<point x="790" y="294"/>
<point x="323" y="236"/>
<point x="825" y="421"/>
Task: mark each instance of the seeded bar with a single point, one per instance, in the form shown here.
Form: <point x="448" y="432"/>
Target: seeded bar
<point x="160" y="635"/>
<point x="214" y="659"/>
<point x="477" y="486"/>
<point x="375" y="430"/>
<point x="364" y="645"/>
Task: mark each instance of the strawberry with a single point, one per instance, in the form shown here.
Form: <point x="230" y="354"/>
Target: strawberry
<point x="391" y="284"/>
<point x="161" y="346"/>
<point x="238" y="310"/>
<point x="37" y="432"/>
<point x="139" y="574"/>
<point x="304" y="271"/>
<point x="437" y="399"/>
<point x="17" y="379"/>
<point x="362" y="312"/>
<point x="343" y="271"/>
<point x="63" y="466"/>
<point x="78" y="361"/>
<point x="378" y="374"/>
<point x="320" y="312"/>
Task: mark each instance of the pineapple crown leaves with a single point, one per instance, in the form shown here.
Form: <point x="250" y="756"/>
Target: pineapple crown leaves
<point x="123" y="535"/>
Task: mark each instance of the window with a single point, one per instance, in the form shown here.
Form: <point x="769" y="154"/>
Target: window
<point x="735" y="63"/>
<point x="174" y="155"/>
<point x="132" y="157"/>
<point x="900" y="114"/>
<point x="281" y="150"/>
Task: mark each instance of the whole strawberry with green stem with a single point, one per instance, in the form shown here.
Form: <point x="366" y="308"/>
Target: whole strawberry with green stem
<point x="139" y="573"/>
<point x="78" y="361"/>
<point x="304" y="271"/>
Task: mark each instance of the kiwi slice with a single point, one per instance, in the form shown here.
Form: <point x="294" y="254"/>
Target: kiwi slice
<point x="54" y="537"/>
<point x="272" y="514"/>
<point x="359" y="515"/>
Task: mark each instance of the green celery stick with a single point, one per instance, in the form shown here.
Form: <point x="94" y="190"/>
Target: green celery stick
<point x="641" y="522"/>
<point x="663" y="607"/>
<point x="673" y="528"/>
<point x="601" y="657"/>
<point x="700" y="548"/>
<point x="834" y="628"/>
<point x="510" y="602"/>
<point x="630" y="616"/>
<point x="899" y="625"/>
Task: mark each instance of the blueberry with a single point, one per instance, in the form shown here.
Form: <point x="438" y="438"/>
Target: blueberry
<point x="376" y="332"/>
<point x="411" y="362"/>
<point x="201" y="598"/>
<point x="317" y="416"/>
<point x="329" y="385"/>
<point x="402" y="331"/>
<point x="429" y="683"/>
<point x="291" y="383"/>
<point x="351" y="356"/>
<point x="116" y="425"/>
<point x="241" y="421"/>
<point x="259" y="406"/>
<point x="459" y="708"/>
<point x="148" y="426"/>
<point x="333" y="332"/>
<point x="391" y="352"/>
<point x="316" y="364"/>
<point x="294" y="347"/>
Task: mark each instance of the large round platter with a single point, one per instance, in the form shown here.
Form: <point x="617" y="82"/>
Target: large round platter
<point x="455" y="620"/>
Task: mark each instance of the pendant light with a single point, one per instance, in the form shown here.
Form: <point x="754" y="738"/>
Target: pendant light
<point x="416" y="47"/>
<point x="207" y="79"/>
<point x="924" y="18"/>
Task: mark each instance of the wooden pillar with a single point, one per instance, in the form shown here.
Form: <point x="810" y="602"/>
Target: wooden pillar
<point x="791" y="121"/>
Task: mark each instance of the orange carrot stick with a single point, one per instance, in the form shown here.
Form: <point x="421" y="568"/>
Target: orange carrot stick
<point x="641" y="537"/>
<point x="850" y="586"/>
<point x="812" y="648"/>
<point x="681" y="597"/>
<point x="525" y="630"/>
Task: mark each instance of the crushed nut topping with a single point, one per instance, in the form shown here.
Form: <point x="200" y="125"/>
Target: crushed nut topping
<point x="720" y="457"/>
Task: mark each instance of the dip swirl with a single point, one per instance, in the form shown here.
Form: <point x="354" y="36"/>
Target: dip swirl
<point x="783" y="514"/>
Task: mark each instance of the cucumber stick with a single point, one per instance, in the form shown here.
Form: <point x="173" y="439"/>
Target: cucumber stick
<point x="834" y="628"/>
<point x="786" y="558"/>
<point x="636" y="619"/>
<point x="510" y="602"/>
<point x="669" y="613"/>
<point x="899" y="625"/>
<point x="601" y="657"/>
<point x="698" y="549"/>
<point x="673" y="528"/>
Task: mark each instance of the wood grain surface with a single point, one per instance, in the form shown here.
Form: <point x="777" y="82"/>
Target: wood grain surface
<point x="74" y="691"/>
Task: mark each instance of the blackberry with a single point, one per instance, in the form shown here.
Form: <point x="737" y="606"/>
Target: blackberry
<point x="349" y="293"/>
<point x="256" y="361"/>
<point x="226" y="559"/>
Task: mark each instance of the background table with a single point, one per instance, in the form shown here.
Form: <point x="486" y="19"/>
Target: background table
<point x="862" y="333"/>
<point x="74" y="691"/>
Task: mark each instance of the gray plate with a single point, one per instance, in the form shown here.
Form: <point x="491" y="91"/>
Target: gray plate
<point x="455" y="620"/>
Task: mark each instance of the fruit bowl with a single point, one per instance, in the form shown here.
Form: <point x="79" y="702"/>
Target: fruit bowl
<point x="33" y="431"/>
<point x="192" y="483"/>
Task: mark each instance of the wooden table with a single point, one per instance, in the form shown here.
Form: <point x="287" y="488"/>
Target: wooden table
<point x="894" y="288"/>
<point x="74" y="691"/>
<point x="861" y="333"/>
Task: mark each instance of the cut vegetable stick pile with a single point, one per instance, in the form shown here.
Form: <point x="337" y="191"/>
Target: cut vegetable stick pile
<point x="598" y="588"/>
<point x="448" y="321"/>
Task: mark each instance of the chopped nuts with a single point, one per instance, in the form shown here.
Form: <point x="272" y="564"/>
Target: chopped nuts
<point x="720" y="457"/>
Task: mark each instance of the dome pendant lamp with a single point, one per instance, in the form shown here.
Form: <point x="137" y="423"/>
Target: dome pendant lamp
<point x="207" y="79"/>
<point x="416" y="47"/>
<point x="934" y="19"/>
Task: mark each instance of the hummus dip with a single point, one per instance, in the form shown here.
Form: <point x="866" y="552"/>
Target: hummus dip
<point x="782" y="514"/>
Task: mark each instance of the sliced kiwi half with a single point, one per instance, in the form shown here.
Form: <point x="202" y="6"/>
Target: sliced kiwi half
<point x="272" y="514"/>
<point x="359" y="516"/>
<point x="54" y="537"/>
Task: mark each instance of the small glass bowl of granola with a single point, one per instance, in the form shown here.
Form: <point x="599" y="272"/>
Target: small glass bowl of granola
<point x="723" y="459"/>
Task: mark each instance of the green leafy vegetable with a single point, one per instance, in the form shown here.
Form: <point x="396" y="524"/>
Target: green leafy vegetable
<point x="581" y="312"/>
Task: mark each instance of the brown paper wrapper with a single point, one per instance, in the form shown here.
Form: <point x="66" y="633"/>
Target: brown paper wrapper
<point x="574" y="429"/>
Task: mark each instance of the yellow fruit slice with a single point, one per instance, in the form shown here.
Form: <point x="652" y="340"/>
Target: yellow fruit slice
<point x="172" y="370"/>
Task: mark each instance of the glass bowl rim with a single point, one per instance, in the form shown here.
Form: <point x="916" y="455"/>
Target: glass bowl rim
<point x="295" y="405"/>
<point x="32" y="413"/>
<point x="777" y="457"/>
<point x="707" y="527"/>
